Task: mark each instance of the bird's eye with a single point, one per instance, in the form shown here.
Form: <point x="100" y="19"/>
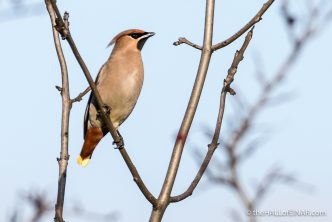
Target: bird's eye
<point x="134" y="35"/>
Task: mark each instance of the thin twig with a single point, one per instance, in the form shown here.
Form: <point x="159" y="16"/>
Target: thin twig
<point x="214" y="143"/>
<point x="252" y="22"/>
<point x="186" y="41"/>
<point x="66" y="106"/>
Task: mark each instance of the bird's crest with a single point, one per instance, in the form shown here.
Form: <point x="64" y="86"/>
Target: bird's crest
<point x="129" y="31"/>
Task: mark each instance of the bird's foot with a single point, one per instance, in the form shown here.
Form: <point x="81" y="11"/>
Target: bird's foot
<point x="119" y="143"/>
<point x="107" y="110"/>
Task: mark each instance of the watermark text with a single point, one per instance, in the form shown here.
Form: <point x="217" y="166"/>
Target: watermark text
<point x="287" y="213"/>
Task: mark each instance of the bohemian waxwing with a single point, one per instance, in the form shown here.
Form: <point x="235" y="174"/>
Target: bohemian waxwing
<point x="119" y="83"/>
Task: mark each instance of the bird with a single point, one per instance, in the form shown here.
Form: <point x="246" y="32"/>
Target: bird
<point x="119" y="83"/>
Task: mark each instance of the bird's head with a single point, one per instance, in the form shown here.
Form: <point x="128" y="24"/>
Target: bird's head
<point x="132" y="38"/>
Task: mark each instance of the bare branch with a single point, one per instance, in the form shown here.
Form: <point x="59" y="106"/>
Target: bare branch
<point x="252" y="22"/>
<point x="238" y="57"/>
<point x="62" y="27"/>
<point x="206" y="52"/>
<point x="66" y="106"/>
<point x="186" y="41"/>
<point x="214" y="143"/>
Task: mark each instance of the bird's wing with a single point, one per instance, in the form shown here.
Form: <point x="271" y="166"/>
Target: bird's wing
<point x="86" y="114"/>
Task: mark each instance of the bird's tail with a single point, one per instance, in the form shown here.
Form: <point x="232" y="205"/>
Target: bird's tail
<point x="92" y="138"/>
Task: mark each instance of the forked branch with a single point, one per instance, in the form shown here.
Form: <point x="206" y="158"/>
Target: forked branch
<point x="214" y="143"/>
<point x="206" y="52"/>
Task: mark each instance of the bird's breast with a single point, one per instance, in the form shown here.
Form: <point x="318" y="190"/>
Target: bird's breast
<point x="120" y="83"/>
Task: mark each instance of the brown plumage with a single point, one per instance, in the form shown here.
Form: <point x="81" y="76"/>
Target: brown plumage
<point x="119" y="83"/>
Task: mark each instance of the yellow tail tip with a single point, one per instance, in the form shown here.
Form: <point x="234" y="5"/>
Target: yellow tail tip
<point x="82" y="162"/>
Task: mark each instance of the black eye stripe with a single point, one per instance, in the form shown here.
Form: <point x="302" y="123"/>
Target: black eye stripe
<point x="137" y="35"/>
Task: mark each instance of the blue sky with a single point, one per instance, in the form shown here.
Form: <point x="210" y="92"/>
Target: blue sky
<point x="299" y="130"/>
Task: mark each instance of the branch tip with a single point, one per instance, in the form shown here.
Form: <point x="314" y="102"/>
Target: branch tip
<point x="183" y="40"/>
<point x="232" y="91"/>
<point x="59" y="88"/>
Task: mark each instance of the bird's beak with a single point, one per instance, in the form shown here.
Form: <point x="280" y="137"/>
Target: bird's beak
<point x="148" y="35"/>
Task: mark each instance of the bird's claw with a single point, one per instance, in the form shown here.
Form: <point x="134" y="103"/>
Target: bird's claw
<point x="107" y="110"/>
